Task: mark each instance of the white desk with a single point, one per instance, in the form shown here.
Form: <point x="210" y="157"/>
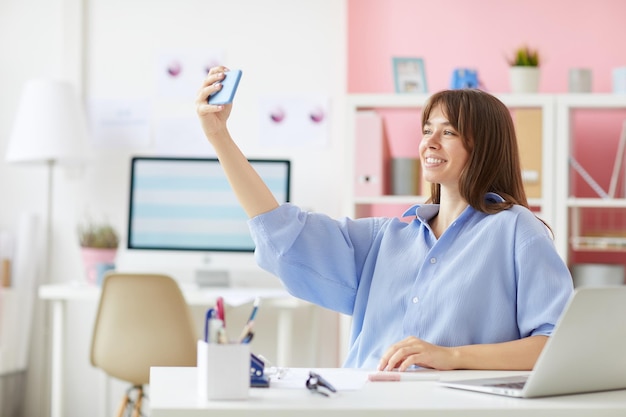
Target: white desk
<point x="59" y="294"/>
<point x="173" y="393"/>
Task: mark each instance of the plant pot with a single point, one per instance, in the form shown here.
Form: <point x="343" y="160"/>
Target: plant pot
<point x="96" y="259"/>
<point x="524" y="79"/>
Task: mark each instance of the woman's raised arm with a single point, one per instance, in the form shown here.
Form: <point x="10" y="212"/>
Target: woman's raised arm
<point x="252" y="193"/>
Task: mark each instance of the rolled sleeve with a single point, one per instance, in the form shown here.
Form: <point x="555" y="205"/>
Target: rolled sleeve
<point x="311" y="253"/>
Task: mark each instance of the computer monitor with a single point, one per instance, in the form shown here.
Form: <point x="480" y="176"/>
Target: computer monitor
<point x="182" y="211"/>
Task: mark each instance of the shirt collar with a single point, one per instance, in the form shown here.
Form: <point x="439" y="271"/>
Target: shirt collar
<point x="426" y="212"/>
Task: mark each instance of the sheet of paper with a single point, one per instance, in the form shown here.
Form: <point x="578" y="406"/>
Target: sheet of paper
<point x="120" y="123"/>
<point x="181" y="71"/>
<point x="343" y="379"/>
<point x="294" y="122"/>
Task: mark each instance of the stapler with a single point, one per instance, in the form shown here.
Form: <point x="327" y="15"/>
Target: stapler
<point x="258" y="379"/>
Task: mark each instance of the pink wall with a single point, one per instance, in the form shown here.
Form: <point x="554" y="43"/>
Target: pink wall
<point x="481" y="34"/>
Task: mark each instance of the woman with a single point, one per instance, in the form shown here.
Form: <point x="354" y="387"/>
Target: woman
<point x="472" y="282"/>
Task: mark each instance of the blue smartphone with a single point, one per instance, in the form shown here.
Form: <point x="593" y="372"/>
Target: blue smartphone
<point x="229" y="87"/>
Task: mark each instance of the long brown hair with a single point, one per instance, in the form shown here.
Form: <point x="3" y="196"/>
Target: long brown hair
<point x="486" y="127"/>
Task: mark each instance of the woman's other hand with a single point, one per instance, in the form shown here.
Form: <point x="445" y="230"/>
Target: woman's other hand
<point x="413" y="351"/>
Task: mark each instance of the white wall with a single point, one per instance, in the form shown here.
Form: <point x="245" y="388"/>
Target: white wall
<point x="283" y="46"/>
<point x="32" y="46"/>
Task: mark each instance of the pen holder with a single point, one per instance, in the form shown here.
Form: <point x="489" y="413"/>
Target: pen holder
<point x="223" y="371"/>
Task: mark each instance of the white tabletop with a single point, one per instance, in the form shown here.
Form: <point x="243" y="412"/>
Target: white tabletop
<point x="173" y="393"/>
<point x="194" y="295"/>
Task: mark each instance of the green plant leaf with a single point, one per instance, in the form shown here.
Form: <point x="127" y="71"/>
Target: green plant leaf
<point x="525" y="57"/>
<point x="98" y="236"/>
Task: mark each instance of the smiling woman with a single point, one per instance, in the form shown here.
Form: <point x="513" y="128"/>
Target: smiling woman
<point x="401" y="282"/>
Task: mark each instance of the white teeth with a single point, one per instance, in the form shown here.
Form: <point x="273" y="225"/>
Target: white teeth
<point x="434" y="161"/>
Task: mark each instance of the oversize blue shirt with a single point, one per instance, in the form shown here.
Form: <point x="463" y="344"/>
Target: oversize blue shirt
<point x="489" y="278"/>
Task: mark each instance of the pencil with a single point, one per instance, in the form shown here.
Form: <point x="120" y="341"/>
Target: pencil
<point x="402" y="376"/>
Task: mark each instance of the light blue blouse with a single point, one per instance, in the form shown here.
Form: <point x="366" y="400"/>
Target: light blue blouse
<point x="489" y="278"/>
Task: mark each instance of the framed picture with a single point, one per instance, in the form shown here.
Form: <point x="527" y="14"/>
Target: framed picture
<point x="409" y="75"/>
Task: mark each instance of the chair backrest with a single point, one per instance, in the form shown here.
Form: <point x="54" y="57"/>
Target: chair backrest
<point x="143" y="320"/>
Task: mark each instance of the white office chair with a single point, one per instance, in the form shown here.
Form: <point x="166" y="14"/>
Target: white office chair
<point x="143" y="320"/>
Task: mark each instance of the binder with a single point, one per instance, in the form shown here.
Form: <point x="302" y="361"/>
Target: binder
<point x="528" y="128"/>
<point x="371" y="155"/>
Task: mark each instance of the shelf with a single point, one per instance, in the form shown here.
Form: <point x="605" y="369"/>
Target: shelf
<point x="596" y="202"/>
<point x="371" y="101"/>
<point x="526" y="100"/>
<point x="599" y="243"/>
<point x="414" y="199"/>
<point x="592" y="101"/>
<point x="406" y="100"/>
<point x="582" y="101"/>
<point x="391" y="199"/>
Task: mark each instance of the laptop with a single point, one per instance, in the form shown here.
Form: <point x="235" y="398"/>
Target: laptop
<point x="586" y="352"/>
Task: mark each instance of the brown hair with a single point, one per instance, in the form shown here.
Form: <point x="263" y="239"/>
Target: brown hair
<point x="486" y="127"/>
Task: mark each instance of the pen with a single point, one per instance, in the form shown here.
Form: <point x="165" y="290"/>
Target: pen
<point x="402" y="376"/>
<point x="210" y="314"/>
<point x="217" y="332"/>
<point x="247" y="329"/>
<point x="255" y="308"/>
<point x="221" y="336"/>
<point x="219" y="306"/>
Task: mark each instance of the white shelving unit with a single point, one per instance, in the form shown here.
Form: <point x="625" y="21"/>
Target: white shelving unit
<point x="357" y="102"/>
<point x="569" y="206"/>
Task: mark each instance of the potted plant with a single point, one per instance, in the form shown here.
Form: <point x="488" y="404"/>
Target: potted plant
<point x="98" y="243"/>
<point x="524" y="70"/>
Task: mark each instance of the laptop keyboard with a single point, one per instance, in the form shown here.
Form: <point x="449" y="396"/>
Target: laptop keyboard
<point x="513" y="385"/>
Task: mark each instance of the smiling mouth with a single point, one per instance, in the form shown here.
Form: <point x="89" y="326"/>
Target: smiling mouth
<point x="434" y="161"/>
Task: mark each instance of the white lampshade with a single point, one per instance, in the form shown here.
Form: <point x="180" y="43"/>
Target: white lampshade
<point x="50" y="124"/>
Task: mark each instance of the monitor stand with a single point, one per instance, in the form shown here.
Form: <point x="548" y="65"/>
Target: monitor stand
<point x="211" y="278"/>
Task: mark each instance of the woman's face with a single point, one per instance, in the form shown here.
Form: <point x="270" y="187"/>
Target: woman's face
<point x="442" y="151"/>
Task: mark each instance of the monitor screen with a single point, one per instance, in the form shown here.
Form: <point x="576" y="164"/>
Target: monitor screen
<point x="187" y="204"/>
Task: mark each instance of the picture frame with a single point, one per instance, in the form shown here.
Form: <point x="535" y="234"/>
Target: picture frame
<point x="409" y="75"/>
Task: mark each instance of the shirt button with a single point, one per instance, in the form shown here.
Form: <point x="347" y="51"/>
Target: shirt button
<point x="415" y="300"/>
<point x="433" y="260"/>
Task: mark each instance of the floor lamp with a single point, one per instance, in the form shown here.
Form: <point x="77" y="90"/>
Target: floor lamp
<point x="49" y="128"/>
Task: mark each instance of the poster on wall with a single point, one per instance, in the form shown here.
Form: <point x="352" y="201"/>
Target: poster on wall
<point x="180" y="72"/>
<point x="117" y="123"/>
<point x="294" y="121"/>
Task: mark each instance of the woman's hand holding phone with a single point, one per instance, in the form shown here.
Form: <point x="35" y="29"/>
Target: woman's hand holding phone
<point x="213" y="116"/>
<point x="226" y="93"/>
